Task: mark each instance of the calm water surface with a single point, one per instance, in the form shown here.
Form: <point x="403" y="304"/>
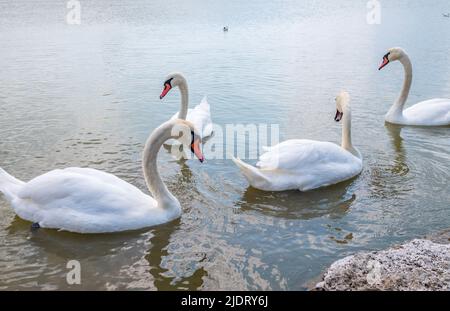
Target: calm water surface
<point x="88" y="96"/>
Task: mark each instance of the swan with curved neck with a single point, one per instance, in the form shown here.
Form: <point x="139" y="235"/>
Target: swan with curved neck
<point x="86" y="200"/>
<point x="433" y="112"/>
<point x="344" y="113"/>
<point x="300" y="164"/>
<point x="200" y="115"/>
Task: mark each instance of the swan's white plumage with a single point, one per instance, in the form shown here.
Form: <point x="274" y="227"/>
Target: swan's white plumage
<point x="200" y="116"/>
<point x="9" y="185"/>
<point x="433" y="112"/>
<point x="301" y="164"/>
<point x="86" y="201"/>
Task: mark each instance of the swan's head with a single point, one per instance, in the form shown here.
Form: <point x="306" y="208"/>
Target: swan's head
<point x="186" y="133"/>
<point x="172" y="80"/>
<point x="391" y="56"/>
<point x="342" y="102"/>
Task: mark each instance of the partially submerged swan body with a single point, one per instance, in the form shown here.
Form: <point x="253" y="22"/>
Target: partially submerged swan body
<point x="304" y="165"/>
<point x="86" y="200"/>
<point x="433" y="112"/>
<point x="200" y="115"/>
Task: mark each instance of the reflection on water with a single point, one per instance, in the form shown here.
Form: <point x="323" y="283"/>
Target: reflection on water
<point x="388" y="177"/>
<point x="334" y="201"/>
<point x="89" y="96"/>
<point x="71" y="244"/>
<point x="158" y="251"/>
<point x="400" y="167"/>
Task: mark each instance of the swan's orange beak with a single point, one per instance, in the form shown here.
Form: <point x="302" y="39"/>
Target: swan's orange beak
<point x="384" y="63"/>
<point x="167" y="88"/>
<point x="195" y="147"/>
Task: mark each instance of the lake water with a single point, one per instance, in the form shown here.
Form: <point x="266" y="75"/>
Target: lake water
<point x="87" y="95"/>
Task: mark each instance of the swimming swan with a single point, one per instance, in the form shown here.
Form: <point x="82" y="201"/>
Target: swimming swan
<point x="86" y="200"/>
<point x="200" y="116"/>
<point x="306" y="164"/>
<point x="433" y="112"/>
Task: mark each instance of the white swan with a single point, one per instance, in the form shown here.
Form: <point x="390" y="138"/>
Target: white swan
<point x="306" y="164"/>
<point x="200" y="116"/>
<point x="433" y="112"/>
<point x="90" y="201"/>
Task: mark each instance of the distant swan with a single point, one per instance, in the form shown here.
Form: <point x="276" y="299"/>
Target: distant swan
<point x="306" y="164"/>
<point x="200" y="116"/>
<point x="86" y="200"/>
<point x="433" y="112"/>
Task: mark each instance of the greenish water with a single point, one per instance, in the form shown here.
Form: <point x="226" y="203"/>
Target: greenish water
<point x="87" y="96"/>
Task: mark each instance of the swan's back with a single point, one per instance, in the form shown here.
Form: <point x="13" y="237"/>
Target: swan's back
<point x="75" y="184"/>
<point x="433" y="112"/>
<point x="87" y="201"/>
<point x="303" y="154"/>
<point x="306" y="164"/>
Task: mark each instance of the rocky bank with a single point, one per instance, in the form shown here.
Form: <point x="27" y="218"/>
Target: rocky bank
<point x="418" y="265"/>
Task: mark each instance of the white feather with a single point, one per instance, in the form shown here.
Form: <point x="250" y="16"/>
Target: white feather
<point x="306" y="164"/>
<point x="86" y="200"/>
<point x="433" y="112"/>
<point x="303" y="165"/>
<point x="200" y="116"/>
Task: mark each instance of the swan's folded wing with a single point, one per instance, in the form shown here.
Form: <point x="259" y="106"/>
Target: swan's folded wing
<point x="200" y="116"/>
<point x="84" y="190"/>
<point x="430" y="112"/>
<point x="204" y="105"/>
<point x="286" y="155"/>
<point x="306" y="165"/>
<point x="302" y="155"/>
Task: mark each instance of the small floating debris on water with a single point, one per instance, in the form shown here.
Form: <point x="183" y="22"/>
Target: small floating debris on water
<point x="446" y="14"/>
<point x="225" y="28"/>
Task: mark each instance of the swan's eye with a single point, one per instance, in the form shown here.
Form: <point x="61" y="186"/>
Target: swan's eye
<point x="168" y="82"/>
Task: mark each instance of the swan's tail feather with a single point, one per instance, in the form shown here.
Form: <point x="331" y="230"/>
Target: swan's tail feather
<point x="204" y="103"/>
<point x="251" y="173"/>
<point x="9" y="185"/>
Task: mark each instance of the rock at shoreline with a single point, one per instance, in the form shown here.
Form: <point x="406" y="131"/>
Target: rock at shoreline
<point x="419" y="265"/>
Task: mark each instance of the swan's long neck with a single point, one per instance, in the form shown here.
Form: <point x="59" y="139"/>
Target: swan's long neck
<point x="184" y="100"/>
<point x="154" y="182"/>
<point x="347" y="132"/>
<point x="396" y="110"/>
